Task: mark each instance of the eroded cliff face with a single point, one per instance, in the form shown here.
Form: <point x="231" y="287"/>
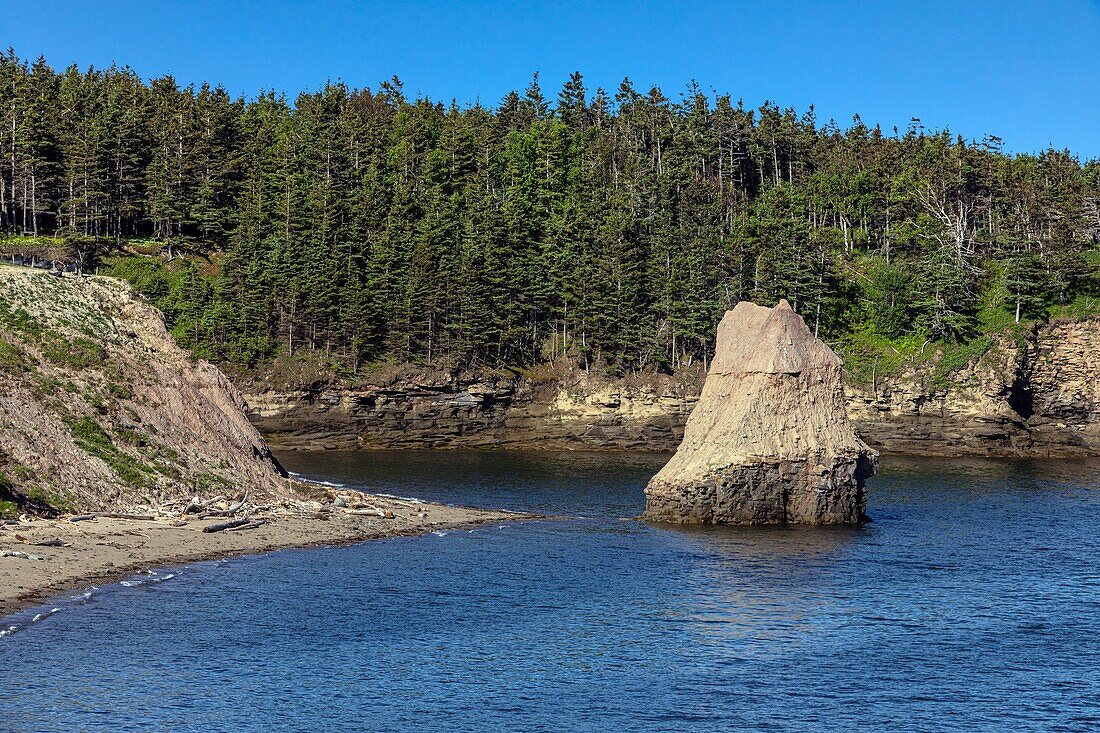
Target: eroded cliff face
<point x="504" y="413"/>
<point x="99" y="408"/>
<point x="1036" y="396"/>
<point x="1039" y="396"/>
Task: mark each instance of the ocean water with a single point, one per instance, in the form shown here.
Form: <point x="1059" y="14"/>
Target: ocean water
<point x="971" y="602"/>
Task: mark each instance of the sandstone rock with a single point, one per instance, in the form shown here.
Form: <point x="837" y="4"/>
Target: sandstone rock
<point x="769" y="441"/>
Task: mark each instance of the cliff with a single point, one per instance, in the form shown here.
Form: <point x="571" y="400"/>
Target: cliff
<point x="100" y="409"/>
<point x="1031" y="395"/>
<point x="1036" y="394"/>
<point x="562" y="411"/>
<point x="770" y="441"/>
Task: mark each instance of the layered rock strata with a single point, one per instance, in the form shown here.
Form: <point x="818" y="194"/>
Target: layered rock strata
<point x="769" y="441"/>
<point x="1036" y="395"/>
<point x="100" y="409"/>
<point x="505" y="413"/>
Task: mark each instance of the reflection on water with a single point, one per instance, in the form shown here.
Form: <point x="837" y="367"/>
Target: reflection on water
<point x="971" y="602"/>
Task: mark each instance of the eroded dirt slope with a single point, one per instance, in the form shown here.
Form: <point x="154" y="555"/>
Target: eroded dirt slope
<point x="100" y="409"/>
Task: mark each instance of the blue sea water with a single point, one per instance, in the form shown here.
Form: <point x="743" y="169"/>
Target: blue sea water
<point x="971" y="602"/>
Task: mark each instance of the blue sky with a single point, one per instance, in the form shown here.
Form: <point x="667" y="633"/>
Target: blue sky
<point x="1028" y="72"/>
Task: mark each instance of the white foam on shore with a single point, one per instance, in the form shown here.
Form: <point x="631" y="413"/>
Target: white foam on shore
<point x="402" y="498"/>
<point x="361" y="489"/>
<point x="319" y="482"/>
<point x="154" y="576"/>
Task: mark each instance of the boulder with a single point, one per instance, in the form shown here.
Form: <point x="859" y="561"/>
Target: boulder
<point x="769" y="441"/>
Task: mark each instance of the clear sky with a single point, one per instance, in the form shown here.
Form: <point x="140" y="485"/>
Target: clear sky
<point x="1028" y="72"/>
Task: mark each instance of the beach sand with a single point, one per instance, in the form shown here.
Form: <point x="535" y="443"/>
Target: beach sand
<point x="103" y="549"/>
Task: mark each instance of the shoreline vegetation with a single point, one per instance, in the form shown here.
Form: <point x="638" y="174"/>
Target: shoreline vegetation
<point x="80" y="554"/>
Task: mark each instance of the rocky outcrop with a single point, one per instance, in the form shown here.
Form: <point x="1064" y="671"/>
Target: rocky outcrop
<point x="502" y="413"/>
<point x="99" y="408"/>
<point x="770" y="441"/>
<point x="1034" y="395"/>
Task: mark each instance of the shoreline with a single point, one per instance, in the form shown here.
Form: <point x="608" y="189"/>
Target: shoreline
<point x="105" y="550"/>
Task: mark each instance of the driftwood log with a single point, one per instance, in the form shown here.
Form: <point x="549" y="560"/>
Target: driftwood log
<point x="247" y="525"/>
<point x="112" y="515"/>
<point x="230" y="511"/>
<point x="196" y="505"/>
<point x="222" y="526"/>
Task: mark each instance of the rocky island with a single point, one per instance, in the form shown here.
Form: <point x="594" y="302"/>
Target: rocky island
<point x="769" y="441"/>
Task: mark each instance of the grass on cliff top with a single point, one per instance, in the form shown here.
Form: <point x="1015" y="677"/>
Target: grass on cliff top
<point x="1083" y="306"/>
<point x="869" y="356"/>
<point x="34" y="303"/>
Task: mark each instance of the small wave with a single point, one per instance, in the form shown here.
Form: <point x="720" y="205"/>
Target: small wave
<point x="439" y="533"/>
<point x="322" y="482"/>
<point x="82" y="596"/>
<point x="413" y="499"/>
<point x="8" y="631"/>
<point x="149" y="576"/>
<point x="39" y="616"/>
<point x="308" y="480"/>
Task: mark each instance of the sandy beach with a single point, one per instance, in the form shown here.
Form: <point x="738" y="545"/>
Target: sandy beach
<point x="104" y="549"/>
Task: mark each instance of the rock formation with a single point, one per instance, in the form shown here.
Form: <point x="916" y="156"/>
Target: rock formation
<point x="769" y="441"/>
<point x="1029" y="395"/>
<point x="100" y="409"/>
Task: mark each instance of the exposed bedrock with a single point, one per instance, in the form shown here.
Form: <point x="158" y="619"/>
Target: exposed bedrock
<point x="769" y="441"/>
<point x="565" y="414"/>
<point x="1038" y="396"/>
<point x="100" y="409"/>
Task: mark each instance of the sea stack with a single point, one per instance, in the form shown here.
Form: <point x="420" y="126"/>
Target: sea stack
<point x="769" y="441"/>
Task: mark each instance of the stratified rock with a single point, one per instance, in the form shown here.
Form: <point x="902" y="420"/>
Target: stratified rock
<point x="100" y="409"/>
<point x="769" y="441"/>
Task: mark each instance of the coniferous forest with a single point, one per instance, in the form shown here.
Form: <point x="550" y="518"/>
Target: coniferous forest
<point x="610" y="226"/>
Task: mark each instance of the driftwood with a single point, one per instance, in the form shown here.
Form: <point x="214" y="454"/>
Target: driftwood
<point x="221" y="526"/>
<point x="195" y="505"/>
<point x="50" y="543"/>
<point x="365" y="512"/>
<point x="247" y="525"/>
<point x="113" y="515"/>
<point x="230" y="511"/>
<point x="17" y="553"/>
